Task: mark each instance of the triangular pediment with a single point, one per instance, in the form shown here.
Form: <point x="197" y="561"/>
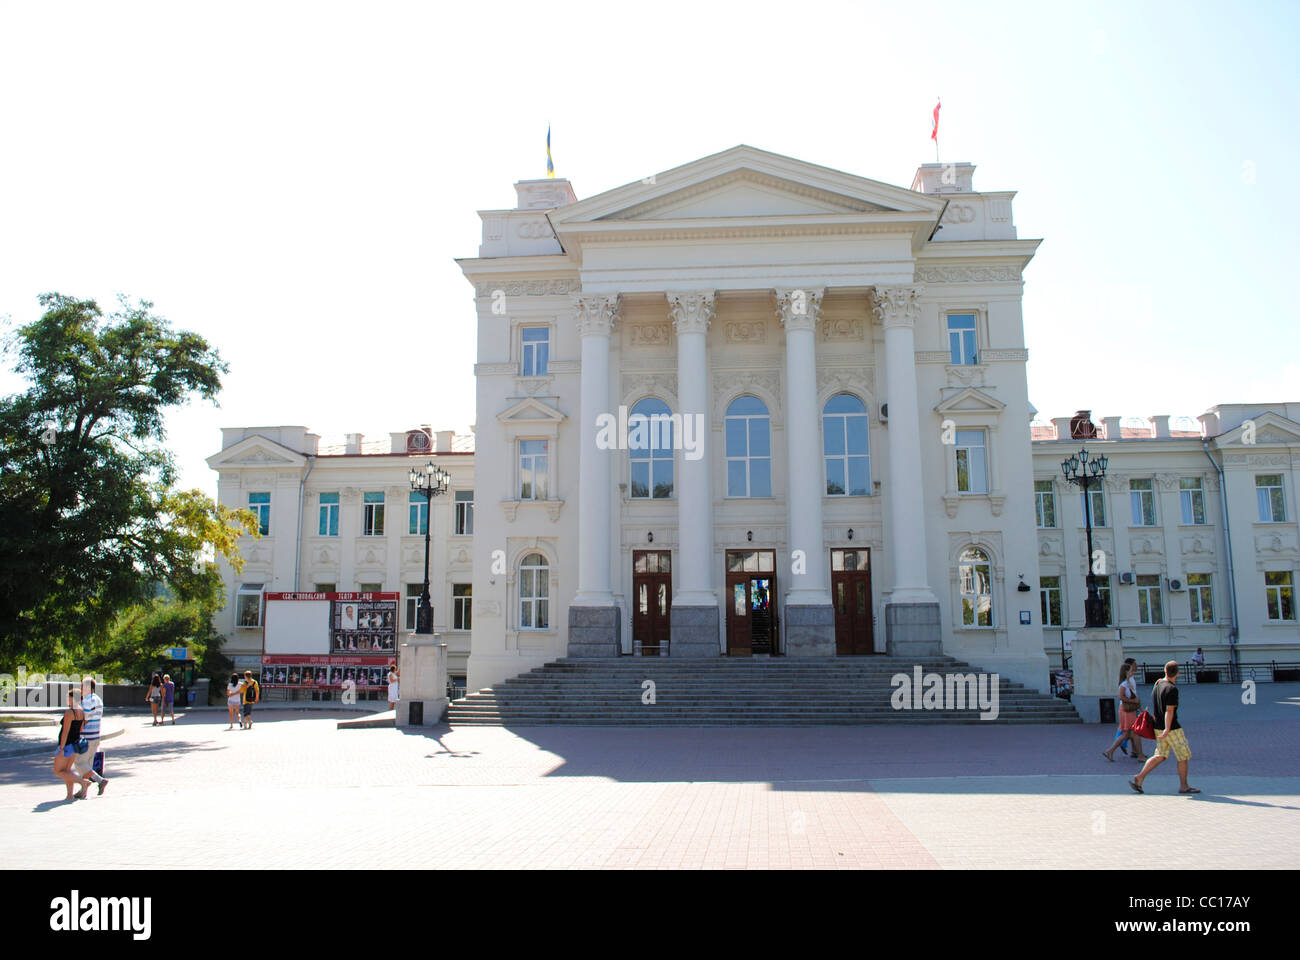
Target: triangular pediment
<point x="531" y="410"/>
<point x="746" y="182"/>
<point x="256" y="451"/>
<point x="1269" y="427"/>
<point x="970" y="400"/>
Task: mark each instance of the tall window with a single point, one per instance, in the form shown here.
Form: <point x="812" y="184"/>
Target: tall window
<point x="1097" y="504"/>
<point x="536" y="342"/>
<point x="464" y="513"/>
<point x="1049" y="594"/>
<point x="1045" y="503"/>
<point x="1149" y="608"/>
<point x="845" y="447"/>
<point x="372" y="514"/>
<point x="534" y="460"/>
<point x="749" y="449"/>
<point x="1200" y="597"/>
<point x="260" y="504"/>
<point x="1193" y="500"/>
<point x="1279" y="594"/>
<point x="1142" y="499"/>
<point x="329" y="515"/>
<point x="413" y="591"/>
<point x="248" y="605"/>
<point x="1272" y="504"/>
<point x="460" y="606"/>
<point x="534" y="593"/>
<point x="972" y="462"/>
<point x="418" y="508"/>
<point x="650" y="450"/>
<point x="975" y="574"/>
<point x="961" y="338"/>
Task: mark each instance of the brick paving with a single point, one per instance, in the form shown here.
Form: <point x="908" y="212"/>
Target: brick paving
<point x="302" y="793"/>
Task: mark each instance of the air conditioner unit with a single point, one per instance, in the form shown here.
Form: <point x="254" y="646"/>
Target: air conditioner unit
<point x="884" y="413"/>
<point x="1175" y="585"/>
<point x="1126" y="578"/>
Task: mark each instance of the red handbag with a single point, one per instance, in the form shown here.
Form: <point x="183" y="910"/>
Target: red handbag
<point x="1144" y="725"/>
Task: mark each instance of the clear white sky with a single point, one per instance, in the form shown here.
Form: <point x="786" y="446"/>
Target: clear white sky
<point x="293" y="180"/>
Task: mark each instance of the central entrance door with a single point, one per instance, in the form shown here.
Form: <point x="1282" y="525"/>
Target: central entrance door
<point x="652" y="591"/>
<point x="851" y="597"/>
<point x="752" y="625"/>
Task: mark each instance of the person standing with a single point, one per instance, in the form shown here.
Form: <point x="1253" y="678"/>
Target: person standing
<point x="1170" y="737"/>
<point x="1128" y="708"/>
<point x="251" y="695"/>
<point x="169" y="699"/>
<point x="233" y="691"/>
<point x="69" y="735"/>
<point x="392" y="688"/>
<point x="84" y="763"/>
<point x="154" y="699"/>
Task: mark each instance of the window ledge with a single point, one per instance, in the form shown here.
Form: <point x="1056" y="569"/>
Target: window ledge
<point x="511" y="507"/>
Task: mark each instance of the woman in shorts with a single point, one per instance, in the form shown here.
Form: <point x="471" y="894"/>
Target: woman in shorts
<point x="233" y="691"/>
<point x="69" y="734"/>
<point x="154" y="699"/>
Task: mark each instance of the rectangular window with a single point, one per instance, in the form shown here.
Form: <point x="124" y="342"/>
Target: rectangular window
<point x="418" y="521"/>
<point x="536" y="342"/>
<point x="972" y="464"/>
<point x="413" y="591"/>
<point x="370" y="588"/>
<point x="329" y="515"/>
<point x="1193" y="499"/>
<point x="1142" y="498"/>
<point x="248" y="605"/>
<point x="327" y="587"/>
<point x="961" y="339"/>
<point x="1279" y="593"/>
<point x="372" y="516"/>
<point x="260" y="504"/>
<point x="1096" y="502"/>
<point x="464" y="513"/>
<point x="534" y="457"/>
<point x="1200" y="597"/>
<point x="1045" y="503"/>
<point x="1049" y="593"/>
<point x="1149" y="608"/>
<point x="460" y="606"/>
<point x="1272" y="504"/>
<point x="1103" y="591"/>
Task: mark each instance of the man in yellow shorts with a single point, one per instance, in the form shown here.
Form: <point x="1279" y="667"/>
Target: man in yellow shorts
<point x="1169" y="733"/>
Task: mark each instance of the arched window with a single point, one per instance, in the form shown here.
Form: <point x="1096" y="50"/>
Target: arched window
<point x="650" y="450"/>
<point x="749" y="449"/>
<point x="975" y="576"/>
<point x="534" y="593"/>
<point x="844" y="446"/>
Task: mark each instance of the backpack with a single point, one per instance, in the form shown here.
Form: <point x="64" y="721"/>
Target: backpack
<point x="252" y="693"/>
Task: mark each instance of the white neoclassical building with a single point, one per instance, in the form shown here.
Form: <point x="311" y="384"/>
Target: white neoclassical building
<point x="849" y="465"/>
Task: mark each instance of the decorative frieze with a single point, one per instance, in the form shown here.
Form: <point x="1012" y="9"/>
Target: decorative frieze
<point x="967" y="274"/>
<point x="638" y="385"/>
<point x="746" y="331"/>
<point x="845" y="379"/>
<point x="528" y="288"/>
<point x="843" y="328"/>
<point x="650" y="334"/>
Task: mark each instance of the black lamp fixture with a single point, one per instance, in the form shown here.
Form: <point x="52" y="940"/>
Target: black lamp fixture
<point x="749" y="535"/>
<point x="1086" y="470"/>
<point x="850" y="533"/>
<point x="432" y="481"/>
<point x="1022" y="587"/>
<point x="650" y="537"/>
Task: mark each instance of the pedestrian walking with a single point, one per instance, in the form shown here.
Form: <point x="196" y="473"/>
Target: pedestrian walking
<point x="69" y="740"/>
<point x="1129" y="703"/>
<point x="252" y="693"/>
<point x="83" y="764"/>
<point x="1170" y="737"/>
<point x="392" y="687"/>
<point x="154" y="699"/>
<point x="169" y="698"/>
<point x="234" y="690"/>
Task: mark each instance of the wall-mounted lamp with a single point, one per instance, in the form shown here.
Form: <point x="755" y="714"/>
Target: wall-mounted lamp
<point x="850" y="533"/>
<point x="1023" y="587"/>
<point x="650" y="537"/>
<point x="749" y="535"/>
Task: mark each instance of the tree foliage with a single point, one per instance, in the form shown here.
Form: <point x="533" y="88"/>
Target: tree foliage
<point x="90" y="520"/>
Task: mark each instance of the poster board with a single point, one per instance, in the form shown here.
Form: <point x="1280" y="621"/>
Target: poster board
<point x="315" y="641"/>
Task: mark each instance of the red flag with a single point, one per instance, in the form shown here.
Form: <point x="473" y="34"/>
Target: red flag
<point x="934" y="134"/>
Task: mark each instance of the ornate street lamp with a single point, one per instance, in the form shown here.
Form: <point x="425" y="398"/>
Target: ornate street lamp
<point x="1086" y="471"/>
<point x="431" y="481"/>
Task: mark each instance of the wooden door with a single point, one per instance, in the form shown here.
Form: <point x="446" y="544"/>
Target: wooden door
<point x="738" y="624"/>
<point x="652" y="591"/>
<point x="851" y="599"/>
<point x="751" y="602"/>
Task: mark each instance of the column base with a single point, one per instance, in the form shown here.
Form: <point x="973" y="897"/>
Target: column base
<point x="1095" y="661"/>
<point x="809" y="630"/>
<point x="693" y="632"/>
<point x="594" y="631"/>
<point x="913" y="630"/>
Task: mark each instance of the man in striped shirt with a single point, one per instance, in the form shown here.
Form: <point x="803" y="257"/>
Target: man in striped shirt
<point x="83" y="765"/>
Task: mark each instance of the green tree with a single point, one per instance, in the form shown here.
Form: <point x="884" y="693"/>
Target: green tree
<point x="90" y="520"/>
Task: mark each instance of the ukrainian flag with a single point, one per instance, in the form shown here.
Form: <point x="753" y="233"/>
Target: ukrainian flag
<point x="550" y="165"/>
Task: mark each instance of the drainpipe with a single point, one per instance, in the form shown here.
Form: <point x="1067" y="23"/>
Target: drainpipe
<point x="302" y="507"/>
<point x="1227" y="538"/>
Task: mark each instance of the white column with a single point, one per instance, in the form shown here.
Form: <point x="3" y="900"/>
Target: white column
<point x="596" y="316"/>
<point x="898" y="309"/>
<point x="693" y="578"/>
<point x="799" y="310"/>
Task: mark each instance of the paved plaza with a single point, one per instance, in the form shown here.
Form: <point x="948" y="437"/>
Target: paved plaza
<point x="298" y="792"/>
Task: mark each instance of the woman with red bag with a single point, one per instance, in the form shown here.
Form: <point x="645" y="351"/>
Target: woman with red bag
<point x="1129" y="702"/>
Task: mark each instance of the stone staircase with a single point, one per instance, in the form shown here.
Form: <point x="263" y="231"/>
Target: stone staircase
<point x="726" y="691"/>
